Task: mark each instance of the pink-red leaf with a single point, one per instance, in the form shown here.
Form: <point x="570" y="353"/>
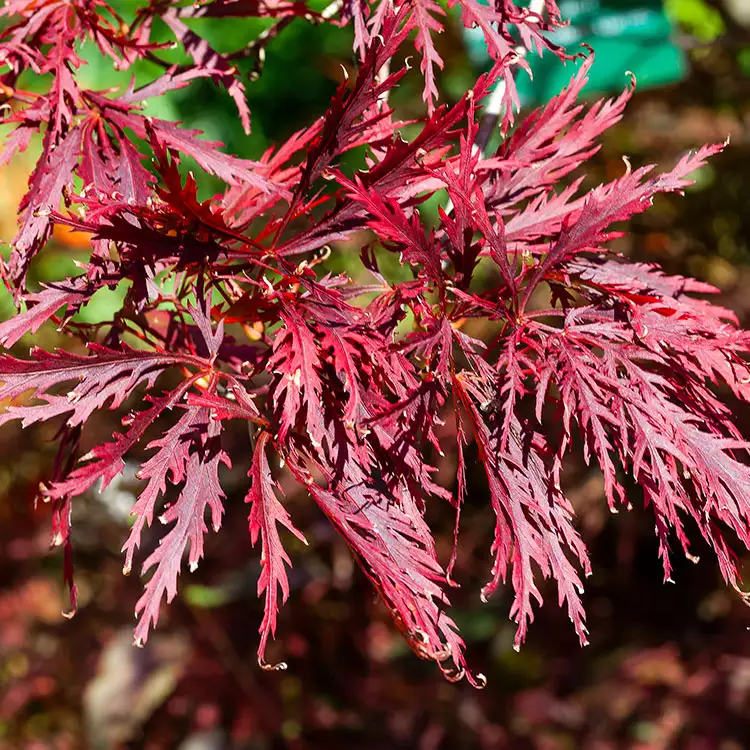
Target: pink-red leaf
<point x="266" y="514"/>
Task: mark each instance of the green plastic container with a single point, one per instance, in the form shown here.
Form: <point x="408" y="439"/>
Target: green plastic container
<point x="626" y="35"/>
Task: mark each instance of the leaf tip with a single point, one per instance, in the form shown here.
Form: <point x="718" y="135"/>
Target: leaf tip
<point x="278" y="667"/>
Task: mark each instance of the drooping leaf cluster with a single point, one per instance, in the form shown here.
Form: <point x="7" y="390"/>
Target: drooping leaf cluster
<point x="517" y="324"/>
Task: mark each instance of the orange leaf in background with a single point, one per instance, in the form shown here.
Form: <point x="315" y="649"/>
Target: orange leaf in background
<point x="13" y="180"/>
<point x="72" y="238"/>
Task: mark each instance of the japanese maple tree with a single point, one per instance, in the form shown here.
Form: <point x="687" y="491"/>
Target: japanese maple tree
<point x="353" y="386"/>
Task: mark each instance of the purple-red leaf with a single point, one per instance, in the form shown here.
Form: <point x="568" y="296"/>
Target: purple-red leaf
<point x="266" y="513"/>
<point x="192" y="455"/>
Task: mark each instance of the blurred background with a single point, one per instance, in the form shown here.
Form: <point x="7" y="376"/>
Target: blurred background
<point x="668" y="665"/>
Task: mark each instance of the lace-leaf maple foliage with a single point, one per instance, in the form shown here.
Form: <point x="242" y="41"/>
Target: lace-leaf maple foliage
<point x="233" y="296"/>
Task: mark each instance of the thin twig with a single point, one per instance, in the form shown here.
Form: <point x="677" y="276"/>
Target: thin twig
<point x="491" y="114"/>
<point x="494" y="106"/>
<point x="257" y="48"/>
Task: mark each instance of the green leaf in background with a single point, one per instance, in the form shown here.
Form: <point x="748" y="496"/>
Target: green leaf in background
<point x="697" y="17"/>
<point x="206" y="597"/>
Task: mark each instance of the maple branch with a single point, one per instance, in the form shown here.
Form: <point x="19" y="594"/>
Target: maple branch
<point x="494" y="106"/>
